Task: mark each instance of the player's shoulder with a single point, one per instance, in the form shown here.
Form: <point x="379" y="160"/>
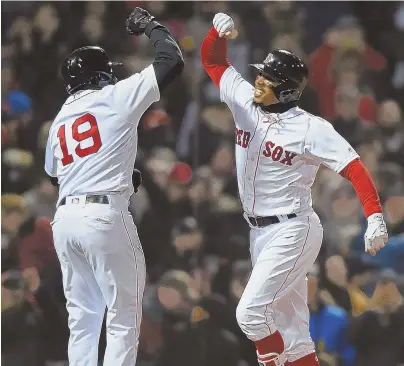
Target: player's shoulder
<point x="231" y="75"/>
<point x="144" y="75"/>
<point x="56" y="121"/>
<point x="146" y="78"/>
<point x="318" y="123"/>
<point x="295" y="114"/>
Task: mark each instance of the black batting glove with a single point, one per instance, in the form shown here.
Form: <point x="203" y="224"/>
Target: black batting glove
<point x="137" y="21"/>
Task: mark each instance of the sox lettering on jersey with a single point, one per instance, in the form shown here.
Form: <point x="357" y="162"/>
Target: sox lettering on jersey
<point x="277" y="153"/>
<point x="273" y="151"/>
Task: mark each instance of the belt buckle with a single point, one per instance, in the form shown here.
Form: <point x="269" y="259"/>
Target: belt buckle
<point x="254" y="221"/>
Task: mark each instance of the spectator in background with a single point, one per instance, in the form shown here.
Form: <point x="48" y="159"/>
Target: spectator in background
<point x="184" y="251"/>
<point x="17" y="169"/>
<point x="219" y="345"/>
<point x="391" y="123"/>
<point x="345" y="281"/>
<point x="13" y="214"/>
<point x="20" y="323"/>
<point x="328" y="326"/>
<point x="41" y="199"/>
<point x="346" y="35"/>
<point x="176" y="297"/>
<point x="370" y="150"/>
<point x="27" y="240"/>
<point x="200" y="193"/>
<point x="49" y="46"/>
<point x="26" y="130"/>
<point x="345" y="214"/>
<point x="347" y="121"/>
<point x="378" y="334"/>
<point x="17" y="111"/>
<point x="347" y="70"/>
<point x="334" y="283"/>
<point x="394" y="207"/>
<point x="216" y="125"/>
<point x="194" y="327"/>
<point x="156" y="130"/>
<point x="360" y="277"/>
<point x="28" y="252"/>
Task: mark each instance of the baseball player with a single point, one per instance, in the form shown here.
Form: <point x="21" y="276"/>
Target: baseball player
<point x="279" y="148"/>
<point x="90" y="154"/>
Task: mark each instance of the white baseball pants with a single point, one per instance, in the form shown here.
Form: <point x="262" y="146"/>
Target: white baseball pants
<point x="275" y="297"/>
<point x="103" y="266"/>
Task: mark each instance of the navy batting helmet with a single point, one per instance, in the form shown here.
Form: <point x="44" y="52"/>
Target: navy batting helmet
<point x="88" y="67"/>
<point x="286" y="69"/>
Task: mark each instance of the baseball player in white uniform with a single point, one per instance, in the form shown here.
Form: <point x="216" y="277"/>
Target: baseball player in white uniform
<point x="279" y="148"/>
<point x="90" y="154"/>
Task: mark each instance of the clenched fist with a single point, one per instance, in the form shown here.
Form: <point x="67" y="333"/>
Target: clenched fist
<point x="137" y="21"/>
<point x="223" y="24"/>
<point x="376" y="234"/>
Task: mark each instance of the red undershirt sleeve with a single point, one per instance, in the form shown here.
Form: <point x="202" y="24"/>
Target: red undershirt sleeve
<point x="214" y="56"/>
<point x="362" y="181"/>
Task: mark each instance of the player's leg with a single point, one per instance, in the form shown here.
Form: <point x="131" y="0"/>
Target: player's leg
<point x="85" y="303"/>
<point x="282" y="254"/>
<point x="119" y="266"/>
<point x="291" y="316"/>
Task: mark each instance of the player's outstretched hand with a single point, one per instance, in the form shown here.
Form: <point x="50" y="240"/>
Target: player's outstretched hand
<point x="223" y="24"/>
<point x="376" y="234"/>
<point x="137" y="21"/>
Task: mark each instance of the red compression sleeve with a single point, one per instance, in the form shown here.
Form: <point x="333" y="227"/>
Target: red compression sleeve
<point x="362" y="181"/>
<point x="214" y="55"/>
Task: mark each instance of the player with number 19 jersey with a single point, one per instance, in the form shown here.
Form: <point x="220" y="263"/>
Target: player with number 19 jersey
<point x="93" y="140"/>
<point x="90" y="155"/>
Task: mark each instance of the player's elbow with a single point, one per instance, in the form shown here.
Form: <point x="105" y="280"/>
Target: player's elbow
<point x="167" y="70"/>
<point x="179" y="65"/>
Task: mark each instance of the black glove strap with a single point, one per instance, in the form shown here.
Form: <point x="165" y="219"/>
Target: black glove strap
<point x="152" y="25"/>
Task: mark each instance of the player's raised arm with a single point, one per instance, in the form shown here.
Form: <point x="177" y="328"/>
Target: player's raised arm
<point x="135" y="94"/>
<point x="335" y="152"/>
<point x="168" y="62"/>
<point x="234" y="89"/>
<point x="214" y="47"/>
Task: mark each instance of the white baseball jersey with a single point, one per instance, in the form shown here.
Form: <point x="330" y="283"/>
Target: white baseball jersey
<point x="92" y="142"/>
<point x="278" y="155"/>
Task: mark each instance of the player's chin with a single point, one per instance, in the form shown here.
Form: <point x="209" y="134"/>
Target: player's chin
<point x="258" y="99"/>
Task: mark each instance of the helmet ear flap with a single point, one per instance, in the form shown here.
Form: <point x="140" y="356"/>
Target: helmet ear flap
<point x="291" y="94"/>
<point x="286" y="96"/>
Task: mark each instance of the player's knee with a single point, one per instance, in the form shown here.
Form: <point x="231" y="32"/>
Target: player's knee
<point x="255" y="322"/>
<point x="247" y="318"/>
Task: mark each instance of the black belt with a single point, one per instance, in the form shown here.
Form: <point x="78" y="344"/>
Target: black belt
<point x="91" y="199"/>
<point x="268" y="220"/>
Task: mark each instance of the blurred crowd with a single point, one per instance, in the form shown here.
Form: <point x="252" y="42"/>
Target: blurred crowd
<point x="187" y="210"/>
